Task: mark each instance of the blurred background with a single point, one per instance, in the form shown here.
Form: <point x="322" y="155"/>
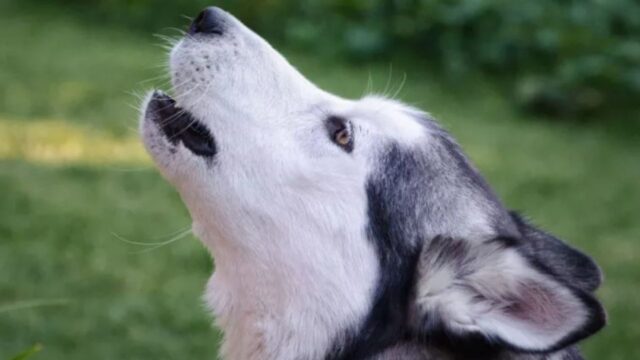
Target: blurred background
<point x="95" y="257"/>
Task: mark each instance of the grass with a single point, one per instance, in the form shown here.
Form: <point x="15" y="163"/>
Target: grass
<point x="72" y="175"/>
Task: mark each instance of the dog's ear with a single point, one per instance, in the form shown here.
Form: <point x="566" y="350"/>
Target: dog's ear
<point x="566" y="262"/>
<point x="491" y="292"/>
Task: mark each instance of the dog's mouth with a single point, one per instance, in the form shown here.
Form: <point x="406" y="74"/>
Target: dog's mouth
<point x="179" y="126"/>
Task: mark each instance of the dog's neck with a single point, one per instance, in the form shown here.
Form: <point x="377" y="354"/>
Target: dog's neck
<point x="289" y="297"/>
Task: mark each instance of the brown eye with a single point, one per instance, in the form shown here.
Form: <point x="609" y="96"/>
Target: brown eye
<point x="340" y="132"/>
<point x="343" y="138"/>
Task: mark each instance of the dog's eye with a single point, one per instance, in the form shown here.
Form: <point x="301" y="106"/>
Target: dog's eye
<point x="340" y="132"/>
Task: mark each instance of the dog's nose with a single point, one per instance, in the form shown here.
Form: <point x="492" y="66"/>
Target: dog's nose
<point x="209" y="21"/>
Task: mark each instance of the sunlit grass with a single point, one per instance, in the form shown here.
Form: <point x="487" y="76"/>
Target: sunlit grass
<point x="64" y="143"/>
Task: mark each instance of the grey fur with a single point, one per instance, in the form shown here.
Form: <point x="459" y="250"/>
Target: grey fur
<point x="432" y="190"/>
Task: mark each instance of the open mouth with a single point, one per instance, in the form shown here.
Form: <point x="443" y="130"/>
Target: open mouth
<point x="178" y="125"/>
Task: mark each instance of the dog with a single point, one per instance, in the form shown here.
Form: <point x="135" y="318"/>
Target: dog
<point x="350" y="229"/>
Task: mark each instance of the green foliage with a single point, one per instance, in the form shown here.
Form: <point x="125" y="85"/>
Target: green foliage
<point x="559" y="57"/>
<point x="27" y="354"/>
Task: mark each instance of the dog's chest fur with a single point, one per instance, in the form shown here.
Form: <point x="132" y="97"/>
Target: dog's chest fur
<point x="264" y="317"/>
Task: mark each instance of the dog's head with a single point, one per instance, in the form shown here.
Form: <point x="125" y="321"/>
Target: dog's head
<point x="265" y="160"/>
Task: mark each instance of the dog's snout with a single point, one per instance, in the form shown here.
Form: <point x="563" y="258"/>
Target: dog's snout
<point x="209" y="21"/>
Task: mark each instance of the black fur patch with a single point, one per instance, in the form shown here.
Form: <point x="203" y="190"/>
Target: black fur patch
<point x="398" y="253"/>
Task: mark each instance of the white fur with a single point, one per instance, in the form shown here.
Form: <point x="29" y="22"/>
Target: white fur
<point x="282" y="208"/>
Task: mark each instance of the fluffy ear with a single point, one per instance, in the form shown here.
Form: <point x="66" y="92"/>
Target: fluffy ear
<point x="490" y="291"/>
<point x="566" y="262"/>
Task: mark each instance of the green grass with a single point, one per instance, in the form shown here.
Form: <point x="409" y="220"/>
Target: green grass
<point x="72" y="175"/>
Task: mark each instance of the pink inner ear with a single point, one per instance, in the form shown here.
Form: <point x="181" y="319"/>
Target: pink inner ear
<point x="538" y="305"/>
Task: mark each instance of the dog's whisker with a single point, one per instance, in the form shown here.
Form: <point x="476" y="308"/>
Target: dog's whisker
<point x="204" y="93"/>
<point x="164" y="66"/>
<point x="139" y="95"/>
<point x="165" y="47"/>
<point x="368" y="88"/>
<point x="402" y="83"/>
<point x="133" y="106"/>
<point x="165" y="243"/>
<point x="195" y="88"/>
<point x="193" y="121"/>
<point x="175" y="236"/>
<point x="179" y="113"/>
<point x="169" y="39"/>
<point x="164" y="77"/>
<point x="185" y="84"/>
<point x="131" y="129"/>
<point x="181" y="32"/>
<point x="389" y="77"/>
<point x="171" y="118"/>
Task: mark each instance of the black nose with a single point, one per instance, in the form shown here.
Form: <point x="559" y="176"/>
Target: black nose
<point x="209" y="21"/>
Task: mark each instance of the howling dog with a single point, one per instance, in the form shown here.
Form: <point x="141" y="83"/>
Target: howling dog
<point x="350" y="229"/>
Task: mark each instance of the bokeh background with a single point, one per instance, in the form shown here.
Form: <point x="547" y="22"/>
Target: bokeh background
<point x="95" y="257"/>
